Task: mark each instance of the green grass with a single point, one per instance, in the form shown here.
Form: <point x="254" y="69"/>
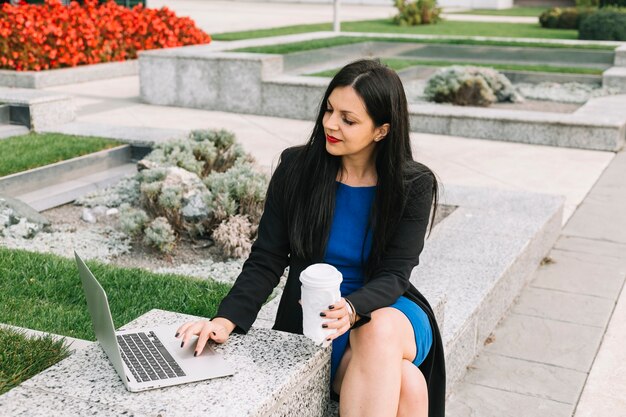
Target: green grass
<point x="289" y="48"/>
<point x="20" y="153"/>
<point x="44" y="292"/>
<point x="514" y="30"/>
<point x="22" y="357"/>
<point x="514" y="11"/>
<point x="400" y="64"/>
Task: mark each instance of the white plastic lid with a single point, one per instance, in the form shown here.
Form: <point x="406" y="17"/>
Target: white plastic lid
<point x="321" y="276"/>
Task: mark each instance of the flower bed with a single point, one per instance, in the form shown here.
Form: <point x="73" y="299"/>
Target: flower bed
<point x="39" y="37"/>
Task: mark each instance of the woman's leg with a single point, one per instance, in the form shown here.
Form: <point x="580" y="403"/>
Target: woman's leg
<point x="370" y="374"/>
<point x="413" y="392"/>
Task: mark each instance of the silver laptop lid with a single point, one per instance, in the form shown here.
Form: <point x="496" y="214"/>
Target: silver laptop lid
<point x="98" y="306"/>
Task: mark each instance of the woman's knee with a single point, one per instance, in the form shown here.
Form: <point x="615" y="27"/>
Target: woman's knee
<point x="386" y="332"/>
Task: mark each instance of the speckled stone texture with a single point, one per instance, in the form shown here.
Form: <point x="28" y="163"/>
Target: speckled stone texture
<point x="46" y="108"/>
<point x="276" y="374"/>
<point x="63" y="76"/>
<point x="615" y="77"/>
<point x="481" y="256"/>
<point x="620" y="56"/>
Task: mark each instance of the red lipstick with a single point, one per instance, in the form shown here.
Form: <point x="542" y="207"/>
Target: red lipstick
<point x="332" y="139"/>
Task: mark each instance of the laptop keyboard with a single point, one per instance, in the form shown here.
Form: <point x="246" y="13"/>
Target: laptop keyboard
<point x="146" y="357"/>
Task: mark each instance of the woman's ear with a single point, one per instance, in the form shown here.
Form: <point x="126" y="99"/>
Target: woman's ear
<point x="382" y="132"/>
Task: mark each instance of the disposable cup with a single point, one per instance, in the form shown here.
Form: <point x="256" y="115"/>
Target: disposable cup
<point x="320" y="288"/>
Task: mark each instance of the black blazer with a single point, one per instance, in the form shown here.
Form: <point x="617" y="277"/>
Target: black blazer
<point x="270" y="256"/>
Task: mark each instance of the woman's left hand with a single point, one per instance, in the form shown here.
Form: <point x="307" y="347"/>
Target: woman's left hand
<point x="339" y="312"/>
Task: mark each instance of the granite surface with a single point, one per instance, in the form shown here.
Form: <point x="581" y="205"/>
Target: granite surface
<point x="272" y="371"/>
<point x="63" y="76"/>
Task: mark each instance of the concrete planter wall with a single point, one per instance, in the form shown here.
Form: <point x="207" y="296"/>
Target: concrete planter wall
<point x="63" y="76"/>
<point x="255" y="84"/>
<point x="41" y="109"/>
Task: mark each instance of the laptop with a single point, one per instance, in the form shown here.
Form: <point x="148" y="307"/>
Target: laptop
<point x="147" y="358"/>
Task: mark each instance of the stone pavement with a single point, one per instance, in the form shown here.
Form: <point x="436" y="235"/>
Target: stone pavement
<point x="545" y="352"/>
<point x="550" y="347"/>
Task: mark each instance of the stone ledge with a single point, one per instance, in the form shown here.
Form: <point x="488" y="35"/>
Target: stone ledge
<point x="277" y="374"/>
<point x="261" y="87"/>
<point x="620" y="56"/>
<point x="37" y="178"/>
<point x="63" y="76"/>
<point x="615" y="77"/>
<point x="44" y="109"/>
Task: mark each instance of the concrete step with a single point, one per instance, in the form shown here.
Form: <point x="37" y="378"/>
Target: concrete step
<point x="620" y="56"/>
<point x="59" y="172"/>
<point x="615" y="77"/>
<point x="5" y="114"/>
<point x="7" y="130"/>
<point x="65" y="192"/>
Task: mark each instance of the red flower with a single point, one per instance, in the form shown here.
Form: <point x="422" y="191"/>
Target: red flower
<point x="37" y="37"/>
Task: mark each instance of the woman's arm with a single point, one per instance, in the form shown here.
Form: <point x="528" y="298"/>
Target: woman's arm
<point x="268" y="259"/>
<point x="391" y="278"/>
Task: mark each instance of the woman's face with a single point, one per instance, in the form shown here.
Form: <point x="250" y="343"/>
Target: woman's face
<point x="350" y="131"/>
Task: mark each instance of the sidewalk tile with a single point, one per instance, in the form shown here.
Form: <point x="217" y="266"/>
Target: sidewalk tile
<point x="604" y="394"/>
<point x="547" y="341"/>
<point x="528" y="378"/>
<point x="599" y="219"/>
<point x="563" y="306"/>
<point x="592" y="246"/>
<point x="470" y="400"/>
<point x="581" y="273"/>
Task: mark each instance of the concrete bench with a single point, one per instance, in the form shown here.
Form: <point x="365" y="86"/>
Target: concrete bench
<point x="277" y="374"/>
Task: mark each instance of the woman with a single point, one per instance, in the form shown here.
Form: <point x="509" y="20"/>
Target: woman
<point x="353" y="197"/>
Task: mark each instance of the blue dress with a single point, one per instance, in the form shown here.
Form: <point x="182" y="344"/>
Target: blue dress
<point x="348" y="248"/>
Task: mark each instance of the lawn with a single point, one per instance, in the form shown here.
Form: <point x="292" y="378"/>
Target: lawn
<point x="449" y="28"/>
<point x="514" y="11"/>
<point x="22" y="357"/>
<point x="44" y="292"/>
<point x="400" y="64"/>
<point x="20" y="153"/>
<point x="289" y="48"/>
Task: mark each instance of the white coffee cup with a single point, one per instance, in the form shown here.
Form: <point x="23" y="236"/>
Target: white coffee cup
<point x="320" y="288"/>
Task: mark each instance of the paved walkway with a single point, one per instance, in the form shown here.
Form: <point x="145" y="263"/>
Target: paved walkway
<point x="217" y="16"/>
<point x="566" y="334"/>
<point x="545" y="352"/>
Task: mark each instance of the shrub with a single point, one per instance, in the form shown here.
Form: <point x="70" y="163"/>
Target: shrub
<point x="160" y="235"/>
<point x="39" y="37"/>
<point x="419" y="12"/>
<point x="195" y="185"/>
<point x="607" y="24"/>
<point x="232" y="236"/>
<point x="587" y="3"/>
<point x="469" y="86"/>
<point x="567" y="18"/>
<point x="132" y="220"/>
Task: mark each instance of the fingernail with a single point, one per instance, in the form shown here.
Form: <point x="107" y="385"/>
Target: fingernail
<point x="324" y="325"/>
<point x="330" y="307"/>
<point x="195" y="353"/>
<point x="181" y="344"/>
<point x="176" y="335"/>
<point x="323" y="314"/>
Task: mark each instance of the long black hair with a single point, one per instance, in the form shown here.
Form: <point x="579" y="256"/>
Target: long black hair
<point x="310" y="182"/>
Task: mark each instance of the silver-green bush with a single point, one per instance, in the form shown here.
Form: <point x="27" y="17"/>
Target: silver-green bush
<point x="193" y="185"/>
<point x="160" y="235"/>
<point x="470" y="86"/>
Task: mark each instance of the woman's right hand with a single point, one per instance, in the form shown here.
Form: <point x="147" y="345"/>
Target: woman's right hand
<point x="217" y="330"/>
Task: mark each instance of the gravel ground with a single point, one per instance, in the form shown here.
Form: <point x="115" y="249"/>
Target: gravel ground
<point x="104" y="242"/>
